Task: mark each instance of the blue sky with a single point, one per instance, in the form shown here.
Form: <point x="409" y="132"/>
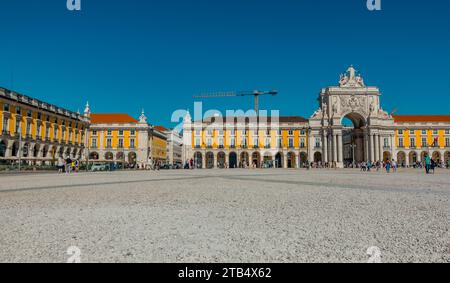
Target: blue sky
<point x="123" y="56"/>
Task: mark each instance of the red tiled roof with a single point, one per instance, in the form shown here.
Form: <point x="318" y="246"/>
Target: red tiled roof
<point x="421" y="118"/>
<point x="112" y="118"/>
<point x="281" y="119"/>
<point x="160" y="128"/>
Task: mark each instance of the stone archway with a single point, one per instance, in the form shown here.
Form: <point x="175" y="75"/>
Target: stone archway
<point x="221" y="160"/>
<point x="447" y="158"/>
<point x="401" y="159"/>
<point x="209" y="160"/>
<point x="317" y="157"/>
<point x="93" y="156"/>
<point x="132" y="158"/>
<point x="15" y="149"/>
<point x="3" y="147"/>
<point x="291" y="160"/>
<point x="354" y="150"/>
<point x="233" y="160"/>
<point x="109" y="156"/>
<point x="436" y="156"/>
<point x="387" y="156"/>
<point x="413" y="157"/>
<point x="279" y="160"/>
<point x="303" y="159"/>
<point x="198" y="160"/>
<point x="256" y="159"/>
<point x="245" y="159"/>
<point x="45" y="152"/>
<point x="267" y="160"/>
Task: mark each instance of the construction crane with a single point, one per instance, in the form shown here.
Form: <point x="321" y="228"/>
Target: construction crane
<point x="256" y="94"/>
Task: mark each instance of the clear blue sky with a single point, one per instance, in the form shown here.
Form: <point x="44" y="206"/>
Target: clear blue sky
<point x="124" y="55"/>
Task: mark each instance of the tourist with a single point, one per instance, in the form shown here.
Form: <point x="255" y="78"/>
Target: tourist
<point x="394" y="166"/>
<point x="433" y="165"/>
<point x="427" y="163"/>
<point x="60" y="165"/>
<point x="388" y="166"/>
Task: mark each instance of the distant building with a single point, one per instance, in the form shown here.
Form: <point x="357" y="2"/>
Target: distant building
<point x="119" y="138"/>
<point x="38" y="132"/>
<point x="323" y="139"/>
<point x="174" y="147"/>
<point x="159" y="145"/>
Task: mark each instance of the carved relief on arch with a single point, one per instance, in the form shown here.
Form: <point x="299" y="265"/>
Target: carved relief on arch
<point x="354" y="103"/>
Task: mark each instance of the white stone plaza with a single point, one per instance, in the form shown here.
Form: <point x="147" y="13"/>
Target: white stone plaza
<point x="241" y="215"/>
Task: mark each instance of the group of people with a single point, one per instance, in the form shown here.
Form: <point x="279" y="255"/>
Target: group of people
<point x="388" y="165"/>
<point x="68" y="165"/>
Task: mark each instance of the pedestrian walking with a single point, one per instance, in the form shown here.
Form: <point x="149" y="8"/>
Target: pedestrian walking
<point x="427" y="163"/>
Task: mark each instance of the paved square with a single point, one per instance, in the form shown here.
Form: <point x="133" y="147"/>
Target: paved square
<point x="226" y="216"/>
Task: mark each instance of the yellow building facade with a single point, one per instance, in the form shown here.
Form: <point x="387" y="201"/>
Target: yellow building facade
<point x="37" y="132"/>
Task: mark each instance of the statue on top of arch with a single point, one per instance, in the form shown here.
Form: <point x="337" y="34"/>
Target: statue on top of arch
<point x="351" y="79"/>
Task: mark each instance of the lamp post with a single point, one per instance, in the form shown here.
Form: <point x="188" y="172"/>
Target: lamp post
<point x="353" y="146"/>
<point x="19" y="153"/>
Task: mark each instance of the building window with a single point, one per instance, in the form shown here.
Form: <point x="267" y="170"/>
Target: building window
<point x="220" y="132"/>
<point x="209" y="142"/>
<point x="94" y="143"/>
<point x="302" y="143"/>
<point x="29" y="113"/>
<point x="302" y="132"/>
<point x="38" y="130"/>
<point x="267" y="143"/>
<point x="6" y="107"/>
<point x="412" y="142"/>
<point x="17" y="125"/>
<point x="120" y="143"/>
<point x="121" y="133"/>
<point x="317" y="142"/>
<point x="133" y="132"/>
<point x="400" y="142"/>
<point x="108" y="143"/>
<point x="5" y="124"/>
<point x="18" y="111"/>
<point x="255" y="142"/>
<point x="221" y="142"/>
<point x="291" y="132"/>
<point x="424" y="132"/>
<point x="109" y="133"/>
<point x="233" y="132"/>
<point x="47" y="132"/>
<point x="447" y="142"/>
<point x="209" y="132"/>
<point x="435" y="132"/>
<point x="197" y="132"/>
<point x="244" y="142"/>
<point x="279" y="132"/>
<point x="280" y="143"/>
<point x="28" y="129"/>
<point x="386" y="143"/>
<point x="197" y="142"/>
<point x="267" y="132"/>
<point x="291" y="142"/>
<point x="400" y="132"/>
<point x="94" y="133"/>
<point x="424" y="142"/>
<point x="447" y="132"/>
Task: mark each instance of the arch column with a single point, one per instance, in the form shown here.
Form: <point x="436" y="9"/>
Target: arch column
<point x="204" y="160"/>
<point x="376" y="147"/>
<point x="285" y="160"/>
<point x="325" y="147"/>
<point x="335" y="148"/>
<point x="340" y="149"/>
<point x="372" y="147"/>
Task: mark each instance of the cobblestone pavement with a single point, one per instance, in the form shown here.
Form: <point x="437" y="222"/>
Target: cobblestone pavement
<point x="226" y="216"/>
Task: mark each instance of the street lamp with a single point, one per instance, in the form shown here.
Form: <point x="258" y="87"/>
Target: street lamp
<point x="353" y="146"/>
